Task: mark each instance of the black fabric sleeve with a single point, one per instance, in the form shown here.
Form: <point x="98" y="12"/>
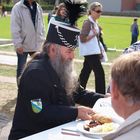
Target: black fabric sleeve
<point x="85" y="97"/>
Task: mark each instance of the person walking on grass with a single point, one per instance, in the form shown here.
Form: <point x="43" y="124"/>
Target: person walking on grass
<point x="89" y="36"/>
<point x="134" y="31"/>
<point x="28" y="31"/>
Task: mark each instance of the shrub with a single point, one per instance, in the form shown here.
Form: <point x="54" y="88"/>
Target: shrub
<point x="47" y="7"/>
<point x="8" y="7"/>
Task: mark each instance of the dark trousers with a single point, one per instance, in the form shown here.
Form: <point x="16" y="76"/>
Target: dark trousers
<point x="134" y="39"/>
<point x="92" y="62"/>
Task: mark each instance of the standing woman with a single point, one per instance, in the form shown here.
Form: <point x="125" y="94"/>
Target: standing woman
<point x="90" y="32"/>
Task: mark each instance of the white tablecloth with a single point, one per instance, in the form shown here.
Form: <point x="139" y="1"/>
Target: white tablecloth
<point x="55" y="134"/>
<point x="102" y="106"/>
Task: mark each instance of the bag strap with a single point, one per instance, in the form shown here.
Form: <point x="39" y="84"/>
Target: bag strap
<point x="92" y="25"/>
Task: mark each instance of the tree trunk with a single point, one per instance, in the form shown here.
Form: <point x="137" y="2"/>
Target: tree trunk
<point x="57" y="2"/>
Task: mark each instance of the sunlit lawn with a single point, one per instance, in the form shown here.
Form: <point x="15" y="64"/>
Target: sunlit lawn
<point x="10" y="71"/>
<point x="116" y="35"/>
<point x="116" y="29"/>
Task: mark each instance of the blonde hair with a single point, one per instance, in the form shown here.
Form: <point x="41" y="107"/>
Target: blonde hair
<point x="126" y="74"/>
<point x="93" y="6"/>
<point x="60" y="6"/>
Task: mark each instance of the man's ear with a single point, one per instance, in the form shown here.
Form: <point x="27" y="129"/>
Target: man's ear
<point x="114" y="89"/>
<point x="52" y="51"/>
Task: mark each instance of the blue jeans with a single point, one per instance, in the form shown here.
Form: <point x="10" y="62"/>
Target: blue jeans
<point x="21" y="61"/>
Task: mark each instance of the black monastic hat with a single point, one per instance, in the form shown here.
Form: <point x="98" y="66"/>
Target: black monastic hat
<point x="63" y="33"/>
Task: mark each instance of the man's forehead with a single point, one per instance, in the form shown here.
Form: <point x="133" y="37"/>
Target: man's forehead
<point x="68" y="49"/>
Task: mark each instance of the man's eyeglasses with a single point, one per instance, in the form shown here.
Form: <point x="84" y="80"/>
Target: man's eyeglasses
<point x="98" y="11"/>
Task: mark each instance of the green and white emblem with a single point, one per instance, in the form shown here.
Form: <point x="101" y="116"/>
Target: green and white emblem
<point x="36" y="105"/>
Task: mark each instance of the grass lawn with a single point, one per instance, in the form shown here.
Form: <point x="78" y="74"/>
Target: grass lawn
<point x="6" y="70"/>
<point x="7" y="48"/>
<point x="116" y="35"/>
<point x="10" y="71"/>
<point x="116" y="29"/>
<point x="5" y="27"/>
<point x="8" y="95"/>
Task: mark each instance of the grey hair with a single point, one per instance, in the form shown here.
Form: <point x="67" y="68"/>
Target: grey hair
<point x="93" y="5"/>
<point x="46" y="47"/>
<point x="125" y="72"/>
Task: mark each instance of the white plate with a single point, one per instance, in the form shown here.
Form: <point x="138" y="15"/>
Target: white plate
<point x="92" y="134"/>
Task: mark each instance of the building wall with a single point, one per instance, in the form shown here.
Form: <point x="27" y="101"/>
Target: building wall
<point x="109" y="5"/>
<point x="137" y="1"/>
<point x="119" y="5"/>
<point x="138" y="5"/>
<point x="128" y="5"/>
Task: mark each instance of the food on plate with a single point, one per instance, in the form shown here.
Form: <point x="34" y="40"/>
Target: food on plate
<point x="104" y="128"/>
<point x="91" y="124"/>
<point x="100" y="124"/>
<point x="101" y="118"/>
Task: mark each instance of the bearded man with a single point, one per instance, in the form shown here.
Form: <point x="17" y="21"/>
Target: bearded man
<point x="49" y="89"/>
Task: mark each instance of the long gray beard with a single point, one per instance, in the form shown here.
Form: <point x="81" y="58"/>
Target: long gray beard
<point x="66" y="74"/>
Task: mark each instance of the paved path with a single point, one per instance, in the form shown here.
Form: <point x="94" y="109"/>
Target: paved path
<point x="5" y="126"/>
<point x="4" y="132"/>
<point x="11" y="59"/>
<point x="6" y="79"/>
<point x="8" y="60"/>
<point x="5" y="41"/>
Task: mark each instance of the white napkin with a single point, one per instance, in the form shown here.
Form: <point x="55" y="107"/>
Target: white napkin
<point x="103" y="106"/>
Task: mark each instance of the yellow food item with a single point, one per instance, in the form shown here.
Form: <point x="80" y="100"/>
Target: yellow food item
<point x="101" y="118"/>
<point x="104" y="128"/>
<point x="107" y="127"/>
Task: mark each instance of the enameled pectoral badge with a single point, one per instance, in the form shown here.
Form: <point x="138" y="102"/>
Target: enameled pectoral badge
<point x="36" y="105"/>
